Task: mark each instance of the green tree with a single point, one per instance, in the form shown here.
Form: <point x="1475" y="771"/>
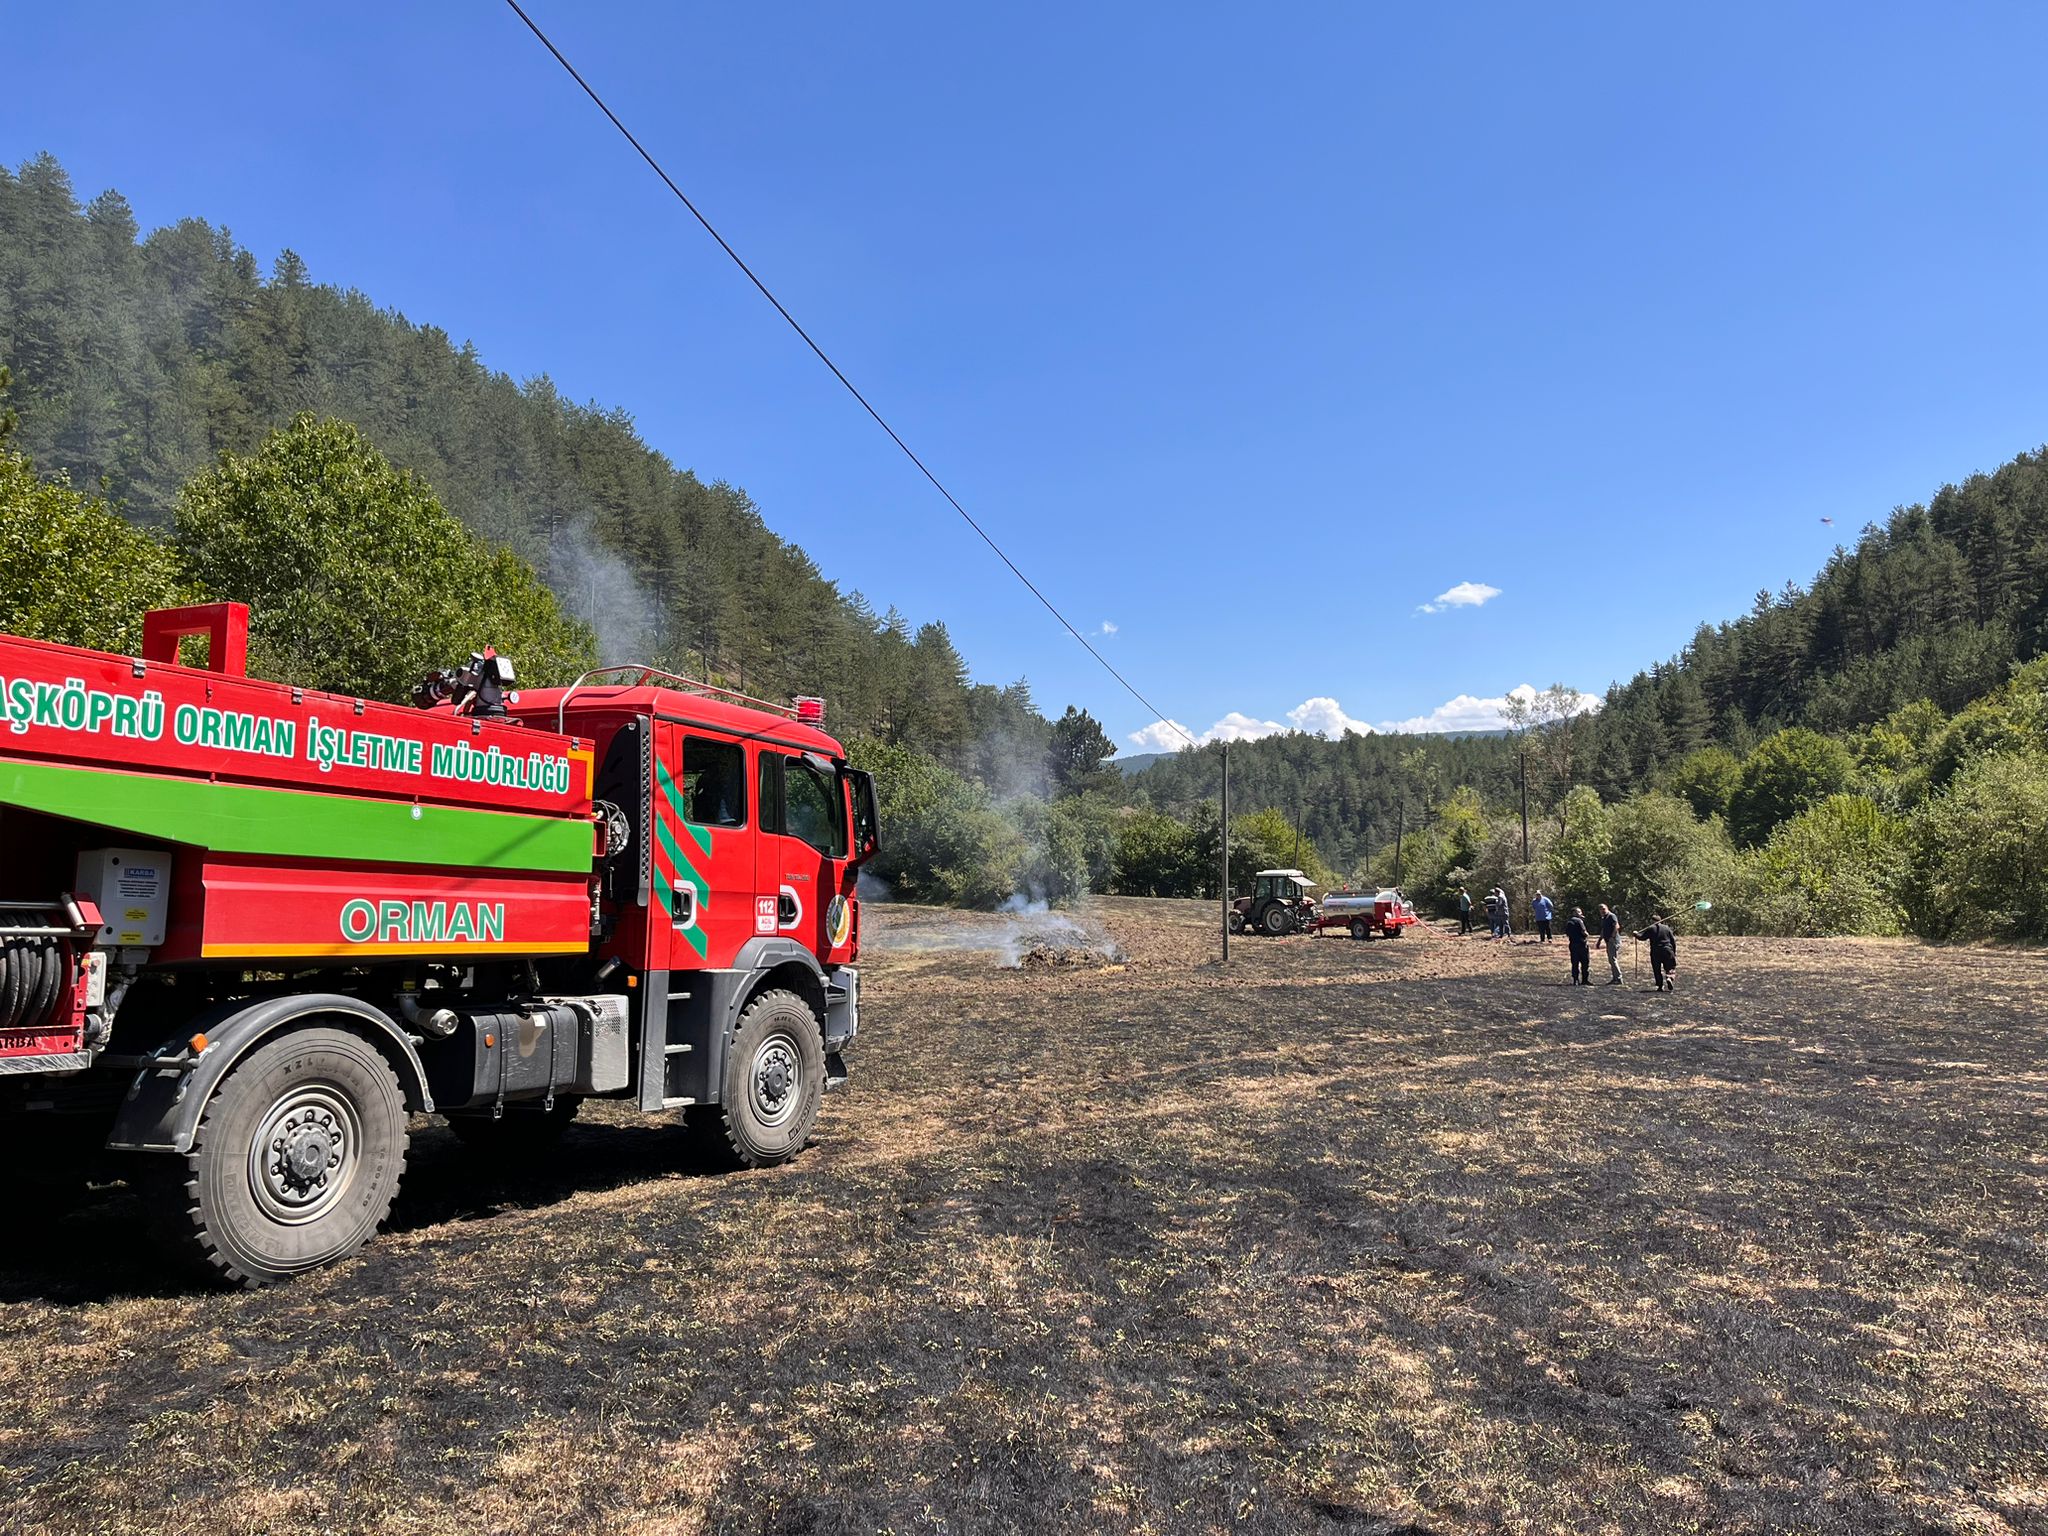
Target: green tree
<point x="1661" y="859"/>
<point x="1158" y="855"/>
<point x="1077" y="759"/>
<point x="71" y="568"/>
<point x="1787" y="772"/>
<point x="1582" y="851"/>
<point x="1706" y="780"/>
<point x="356" y="579"/>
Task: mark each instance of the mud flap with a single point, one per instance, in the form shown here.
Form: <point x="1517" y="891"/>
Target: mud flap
<point x="835" y="1071"/>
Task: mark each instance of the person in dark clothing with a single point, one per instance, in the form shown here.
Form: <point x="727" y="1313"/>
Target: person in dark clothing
<point x="1582" y="956"/>
<point x="1663" y="953"/>
<point x="1464" y="910"/>
<point x="1610" y="940"/>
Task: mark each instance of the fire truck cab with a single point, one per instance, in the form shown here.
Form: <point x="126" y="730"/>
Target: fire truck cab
<point x="733" y="836"/>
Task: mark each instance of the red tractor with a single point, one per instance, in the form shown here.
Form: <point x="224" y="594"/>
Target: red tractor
<point x="252" y="927"/>
<point x="1279" y="903"/>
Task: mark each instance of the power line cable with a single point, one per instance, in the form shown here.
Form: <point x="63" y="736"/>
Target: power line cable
<point x="766" y="293"/>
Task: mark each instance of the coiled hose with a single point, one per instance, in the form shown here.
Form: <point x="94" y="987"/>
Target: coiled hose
<point x="31" y="976"/>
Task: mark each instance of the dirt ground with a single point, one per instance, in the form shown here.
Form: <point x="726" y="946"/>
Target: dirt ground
<point x="1386" y="1237"/>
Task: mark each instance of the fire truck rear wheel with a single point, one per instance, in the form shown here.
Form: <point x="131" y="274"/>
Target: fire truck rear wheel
<point x="295" y="1161"/>
<point x="1360" y="928"/>
<point x="774" y="1080"/>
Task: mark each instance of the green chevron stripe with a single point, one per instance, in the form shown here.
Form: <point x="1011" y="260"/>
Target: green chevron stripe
<point x="302" y="824"/>
<point x="700" y="835"/>
<point x="692" y="936"/>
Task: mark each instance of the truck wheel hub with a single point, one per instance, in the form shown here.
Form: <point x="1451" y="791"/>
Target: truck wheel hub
<point x="302" y="1157"/>
<point x="775" y="1078"/>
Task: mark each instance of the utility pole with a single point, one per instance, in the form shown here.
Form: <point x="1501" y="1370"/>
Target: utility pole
<point x="1226" y="853"/>
<point x="1297" y="829"/>
<point x="1400" y="811"/>
<point x="1522" y="760"/>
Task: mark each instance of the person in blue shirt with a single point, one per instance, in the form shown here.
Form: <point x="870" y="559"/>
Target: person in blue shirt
<point x="1543" y="910"/>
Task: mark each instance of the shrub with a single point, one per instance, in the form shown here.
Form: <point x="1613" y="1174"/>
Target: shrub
<point x="1836" y="868"/>
<point x="1979" y="850"/>
<point x="942" y="840"/>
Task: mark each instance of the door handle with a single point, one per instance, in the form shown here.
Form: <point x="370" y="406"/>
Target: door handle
<point x="684" y="908"/>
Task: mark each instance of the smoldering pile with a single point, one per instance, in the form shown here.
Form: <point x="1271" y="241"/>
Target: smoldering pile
<point x="1021" y="935"/>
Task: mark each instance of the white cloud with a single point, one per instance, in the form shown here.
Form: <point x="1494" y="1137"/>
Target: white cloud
<point x="1325" y="717"/>
<point x="1466" y="594"/>
<point x="1108" y="628"/>
<point x="1468" y="713"/>
<point x="1161" y="736"/>
<point x="1318" y="716"/>
<point x="1237" y="726"/>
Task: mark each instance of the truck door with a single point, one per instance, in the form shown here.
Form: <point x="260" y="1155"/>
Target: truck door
<point x="703" y="867"/>
<point x="801" y="851"/>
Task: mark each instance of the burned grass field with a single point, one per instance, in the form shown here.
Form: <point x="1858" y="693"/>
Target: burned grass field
<point x="1399" y="1236"/>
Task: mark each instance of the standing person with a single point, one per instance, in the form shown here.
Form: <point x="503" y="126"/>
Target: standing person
<point x="1575" y="940"/>
<point x="1663" y="952"/>
<point x="1543" y="910"/>
<point x="1507" y="913"/>
<point x="1464" y="910"/>
<point x="1492" y="917"/>
<point x="1610" y="940"/>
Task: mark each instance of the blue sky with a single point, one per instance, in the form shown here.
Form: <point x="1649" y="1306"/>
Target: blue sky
<point x="1252" y="331"/>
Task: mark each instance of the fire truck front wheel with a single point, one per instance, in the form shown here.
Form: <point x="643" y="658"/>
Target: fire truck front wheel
<point x="295" y="1161"/>
<point x="774" y="1080"/>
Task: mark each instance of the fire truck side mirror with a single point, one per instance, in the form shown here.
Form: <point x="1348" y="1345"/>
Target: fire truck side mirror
<point x="867" y="825"/>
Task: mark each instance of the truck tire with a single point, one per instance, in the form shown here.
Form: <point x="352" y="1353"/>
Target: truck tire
<point x="295" y="1161"/>
<point x="524" y="1130"/>
<point x="1395" y="932"/>
<point x="1276" y="920"/>
<point x="1360" y="928"/>
<point x="774" y="1080"/>
<point x="1236" y="921"/>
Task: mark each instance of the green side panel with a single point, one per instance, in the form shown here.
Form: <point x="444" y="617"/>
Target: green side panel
<point x="297" y="824"/>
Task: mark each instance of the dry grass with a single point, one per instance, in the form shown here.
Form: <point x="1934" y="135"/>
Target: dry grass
<point x="1384" y="1237"/>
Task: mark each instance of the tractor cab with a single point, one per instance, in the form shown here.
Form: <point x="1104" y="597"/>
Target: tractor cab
<point x="1280" y="902"/>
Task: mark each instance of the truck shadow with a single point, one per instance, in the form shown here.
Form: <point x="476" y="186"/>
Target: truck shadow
<point x="94" y="1243"/>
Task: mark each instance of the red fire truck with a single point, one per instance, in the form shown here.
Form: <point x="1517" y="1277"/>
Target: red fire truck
<point x="246" y="929"/>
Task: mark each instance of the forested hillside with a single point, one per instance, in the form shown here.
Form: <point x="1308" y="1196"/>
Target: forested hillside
<point x="1938" y="603"/>
<point x="138" y="359"/>
<point x="1347" y="794"/>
